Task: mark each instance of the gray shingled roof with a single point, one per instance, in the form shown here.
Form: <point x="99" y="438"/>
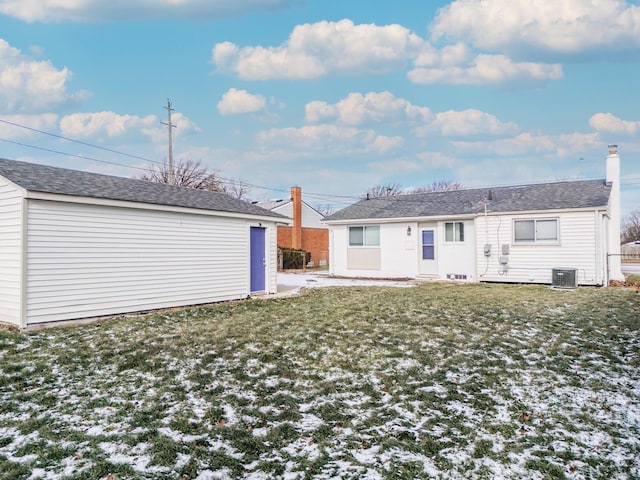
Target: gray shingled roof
<point x="537" y="197"/>
<point x="271" y="204"/>
<point x="62" y="181"/>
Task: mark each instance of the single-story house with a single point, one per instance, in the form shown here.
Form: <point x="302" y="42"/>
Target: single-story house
<point x="561" y="233"/>
<point x="76" y="245"/>
<point x="307" y="232"/>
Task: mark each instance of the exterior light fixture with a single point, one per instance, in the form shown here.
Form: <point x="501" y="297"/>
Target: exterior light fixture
<point x="408" y="231"/>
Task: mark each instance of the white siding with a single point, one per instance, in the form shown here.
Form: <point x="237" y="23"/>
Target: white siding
<point x="579" y="247"/>
<point x="10" y="253"/>
<point x="310" y="217"/>
<point x="456" y="258"/>
<point x="86" y="261"/>
<point x="398" y="252"/>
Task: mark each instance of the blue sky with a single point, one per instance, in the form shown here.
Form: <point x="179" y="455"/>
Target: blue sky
<point x="335" y="97"/>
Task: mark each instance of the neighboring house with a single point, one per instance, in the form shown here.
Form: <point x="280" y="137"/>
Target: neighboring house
<point x="75" y="245"/>
<point x="527" y="233"/>
<point x="307" y="233"/>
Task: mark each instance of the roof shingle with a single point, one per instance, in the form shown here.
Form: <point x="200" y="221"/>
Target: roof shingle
<point x="62" y="181"/>
<point x="535" y="197"/>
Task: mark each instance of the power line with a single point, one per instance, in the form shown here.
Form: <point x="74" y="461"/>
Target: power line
<point x="339" y="199"/>
<point x="84" y="157"/>
<point x="78" y="141"/>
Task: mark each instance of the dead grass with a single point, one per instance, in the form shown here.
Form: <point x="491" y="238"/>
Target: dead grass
<point x="435" y="381"/>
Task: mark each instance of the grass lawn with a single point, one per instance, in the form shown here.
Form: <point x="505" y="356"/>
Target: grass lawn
<point x="434" y="381"/>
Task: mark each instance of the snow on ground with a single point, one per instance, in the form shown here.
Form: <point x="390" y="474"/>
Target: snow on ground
<point x="292" y="282"/>
<point x="438" y="383"/>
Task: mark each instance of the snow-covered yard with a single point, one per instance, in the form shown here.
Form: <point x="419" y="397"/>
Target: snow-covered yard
<point x="365" y="381"/>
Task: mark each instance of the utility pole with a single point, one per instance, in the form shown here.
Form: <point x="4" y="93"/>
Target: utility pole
<point x="170" y="176"/>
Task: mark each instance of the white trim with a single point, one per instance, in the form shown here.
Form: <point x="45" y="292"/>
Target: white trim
<point x="535" y="241"/>
<point x="23" y="262"/>
<point x="467" y="216"/>
<point x="54" y="197"/>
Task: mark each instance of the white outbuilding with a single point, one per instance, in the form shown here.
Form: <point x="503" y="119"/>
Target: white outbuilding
<point x="76" y="245"/>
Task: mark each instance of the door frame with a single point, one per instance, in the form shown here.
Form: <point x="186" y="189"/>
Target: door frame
<point x="428" y="267"/>
<point x="257" y="259"/>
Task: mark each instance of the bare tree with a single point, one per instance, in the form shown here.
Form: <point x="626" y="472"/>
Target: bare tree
<point x="191" y="174"/>
<point x="326" y="209"/>
<point x="386" y="190"/>
<point x="438" y="186"/>
<point x="631" y="228"/>
<point x="393" y="189"/>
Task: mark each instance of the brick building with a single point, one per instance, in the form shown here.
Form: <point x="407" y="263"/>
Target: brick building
<point x="307" y="233"/>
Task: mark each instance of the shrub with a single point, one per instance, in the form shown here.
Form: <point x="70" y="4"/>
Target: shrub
<point x="292" y="258"/>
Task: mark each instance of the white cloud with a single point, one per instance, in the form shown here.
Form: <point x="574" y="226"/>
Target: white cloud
<point x="113" y="125"/>
<point x="559" y="26"/>
<point x="487" y="69"/>
<point x="28" y="86"/>
<point x="607" y="122"/>
<point x="46" y="122"/>
<point x="373" y="107"/>
<point x="324" y="48"/>
<point x="328" y="139"/>
<point x="467" y="122"/>
<point x="101" y="10"/>
<point x="527" y="143"/>
<point x="316" y="50"/>
<point x="236" y="102"/>
<point x="83" y="125"/>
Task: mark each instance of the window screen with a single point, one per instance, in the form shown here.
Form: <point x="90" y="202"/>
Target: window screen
<point x="367" y="236"/>
<point x="428" y="246"/>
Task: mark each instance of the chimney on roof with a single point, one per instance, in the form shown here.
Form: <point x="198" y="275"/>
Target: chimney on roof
<point x="296" y="197"/>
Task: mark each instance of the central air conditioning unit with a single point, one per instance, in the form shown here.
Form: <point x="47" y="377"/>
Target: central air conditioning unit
<point x="564" y="278"/>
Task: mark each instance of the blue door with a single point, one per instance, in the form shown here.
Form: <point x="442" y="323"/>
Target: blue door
<point x="258" y="259"/>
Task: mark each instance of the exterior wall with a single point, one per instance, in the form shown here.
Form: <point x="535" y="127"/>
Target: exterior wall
<point x="397" y="255"/>
<point x="90" y="260"/>
<point x="580" y="246"/>
<point x="456" y="260"/>
<point x="10" y="253"/>
<point x="314" y="240"/>
<point x="310" y="217"/>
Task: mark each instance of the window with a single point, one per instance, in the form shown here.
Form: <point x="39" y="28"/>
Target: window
<point x="543" y="230"/>
<point x="454" y="232"/>
<point x="428" y="245"/>
<point x="368" y="236"/>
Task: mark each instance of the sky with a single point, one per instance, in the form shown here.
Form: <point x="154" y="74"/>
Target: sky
<point x="333" y="96"/>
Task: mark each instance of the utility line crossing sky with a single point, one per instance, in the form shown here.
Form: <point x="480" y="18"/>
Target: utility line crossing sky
<point x="335" y="97"/>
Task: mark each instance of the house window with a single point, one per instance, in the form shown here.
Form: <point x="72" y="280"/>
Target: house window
<point x="367" y="236"/>
<point x="454" y="231"/>
<point x="534" y="231"/>
<point x="428" y="245"/>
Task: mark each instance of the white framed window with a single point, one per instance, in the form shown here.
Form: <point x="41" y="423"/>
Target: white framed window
<point x="364" y="236"/>
<point x="454" y="232"/>
<point x="428" y="245"/>
<point x="541" y="230"/>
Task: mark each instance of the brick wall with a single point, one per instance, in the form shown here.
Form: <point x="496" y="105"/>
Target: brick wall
<point x="314" y="240"/>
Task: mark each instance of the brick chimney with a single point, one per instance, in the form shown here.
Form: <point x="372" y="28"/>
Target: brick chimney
<point x="296" y="197"/>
